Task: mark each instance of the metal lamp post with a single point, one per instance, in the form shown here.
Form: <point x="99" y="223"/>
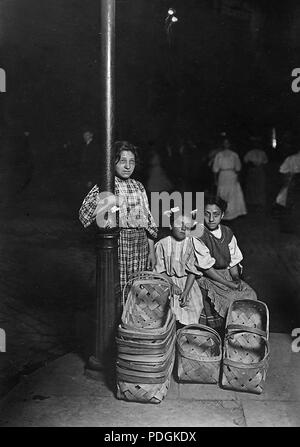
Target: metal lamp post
<point x="107" y="277"/>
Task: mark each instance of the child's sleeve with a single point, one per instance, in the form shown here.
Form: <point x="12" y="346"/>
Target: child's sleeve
<point x="151" y="224"/>
<point x="88" y="207"/>
<point x="160" y="266"/>
<point x="216" y="164"/>
<point x="235" y="252"/>
<point x="202" y="258"/>
<point x="285" y="168"/>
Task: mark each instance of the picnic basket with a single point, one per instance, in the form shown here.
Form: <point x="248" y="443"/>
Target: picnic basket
<point x="248" y="314"/>
<point x="152" y="393"/>
<point x="246" y="346"/>
<point x="141" y="343"/>
<point x="199" y="354"/>
<point x="245" y="361"/>
<point x="146" y="299"/>
<point x="145" y="339"/>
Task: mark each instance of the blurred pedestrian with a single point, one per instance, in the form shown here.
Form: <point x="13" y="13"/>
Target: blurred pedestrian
<point x="226" y="166"/>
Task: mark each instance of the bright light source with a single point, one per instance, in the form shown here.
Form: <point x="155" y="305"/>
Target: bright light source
<point x="171" y="11"/>
<point x="174" y="19"/>
<point x="274" y="140"/>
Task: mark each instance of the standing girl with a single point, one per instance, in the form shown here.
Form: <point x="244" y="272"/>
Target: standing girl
<point x="137" y="227"/>
<point x="221" y="283"/>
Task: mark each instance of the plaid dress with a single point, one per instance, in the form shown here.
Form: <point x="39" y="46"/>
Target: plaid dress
<point x="135" y="221"/>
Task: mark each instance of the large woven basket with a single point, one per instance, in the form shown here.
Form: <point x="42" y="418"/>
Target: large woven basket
<point x="145" y="373"/>
<point x="248" y="314"/>
<point x="147" y="356"/>
<point x="199" y="353"/>
<point x="148" y="335"/>
<point x="245" y="361"/>
<point x="153" y="393"/>
<point x="146" y="300"/>
<point x="127" y="344"/>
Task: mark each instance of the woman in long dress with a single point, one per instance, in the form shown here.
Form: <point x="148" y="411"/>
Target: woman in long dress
<point x="226" y="166"/>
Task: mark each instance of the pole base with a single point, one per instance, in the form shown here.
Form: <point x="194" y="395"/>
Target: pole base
<point x="94" y="369"/>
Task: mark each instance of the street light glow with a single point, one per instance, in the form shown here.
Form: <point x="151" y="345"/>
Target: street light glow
<point x="274" y="139"/>
<point x="171" y="11"/>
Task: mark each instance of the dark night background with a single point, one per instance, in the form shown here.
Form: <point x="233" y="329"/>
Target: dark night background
<point x="217" y="71"/>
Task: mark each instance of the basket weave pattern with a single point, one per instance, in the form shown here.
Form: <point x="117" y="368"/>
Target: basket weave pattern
<point x="246" y="347"/>
<point x="145" y="340"/>
<point x="249" y="314"/>
<point x="152" y="394"/>
<point x="198" y="354"/>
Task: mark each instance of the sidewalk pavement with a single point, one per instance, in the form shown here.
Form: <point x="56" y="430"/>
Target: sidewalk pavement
<point x="61" y="395"/>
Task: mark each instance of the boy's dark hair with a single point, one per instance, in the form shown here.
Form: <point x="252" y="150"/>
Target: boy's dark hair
<point x="125" y="146"/>
<point x="213" y="199"/>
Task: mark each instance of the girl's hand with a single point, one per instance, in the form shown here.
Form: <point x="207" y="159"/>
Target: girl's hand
<point x="151" y="260"/>
<point x="233" y="285"/>
<point x="176" y="289"/>
<point x="239" y="284"/>
<point x="183" y="299"/>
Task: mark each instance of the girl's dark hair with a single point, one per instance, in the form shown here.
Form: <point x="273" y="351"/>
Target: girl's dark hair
<point x="213" y="199"/>
<point x="125" y="146"/>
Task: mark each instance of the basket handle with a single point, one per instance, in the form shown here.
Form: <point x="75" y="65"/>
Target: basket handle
<point x="140" y="275"/>
<point x="200" y="326"/>
<point x="243" y="328"/>
<point x="228" y="362"/>
<point x="214" y="334"/>
<point x="251" y="302"/>
<point x="241" y="365"/>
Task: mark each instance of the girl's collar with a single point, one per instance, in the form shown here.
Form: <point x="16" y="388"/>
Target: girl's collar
<point x="218" y="231"/>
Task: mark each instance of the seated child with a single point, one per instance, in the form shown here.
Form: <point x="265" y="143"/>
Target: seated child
<point x="221" y="283"/>
<point x="175" y="255"/>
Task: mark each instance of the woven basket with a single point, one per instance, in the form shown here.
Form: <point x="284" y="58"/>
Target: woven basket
<point x="153" y="393"/>
<point x="148" y="357"/>
<point x="146" y="393"/>
<point x="199" y="353"/>
<point x="144" y="373"/>
<point x="158" y="334"/>
<point x="127" y="345"/>
<point x="245" y="361"/>
<point x="146" y="300"/>
<point x="153" y="367"/>
<point x="246" y="315"/>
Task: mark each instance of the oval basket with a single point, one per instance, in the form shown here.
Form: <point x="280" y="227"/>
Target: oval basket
<point x="199" y="353"/>
<point x="245" y="362"/>
<point x="152" y="393"/>
<point x="145" y="373"/>
<point x="248" y="315"/>
<point x="134" y="345"/>
<point x="146" y="301"/>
